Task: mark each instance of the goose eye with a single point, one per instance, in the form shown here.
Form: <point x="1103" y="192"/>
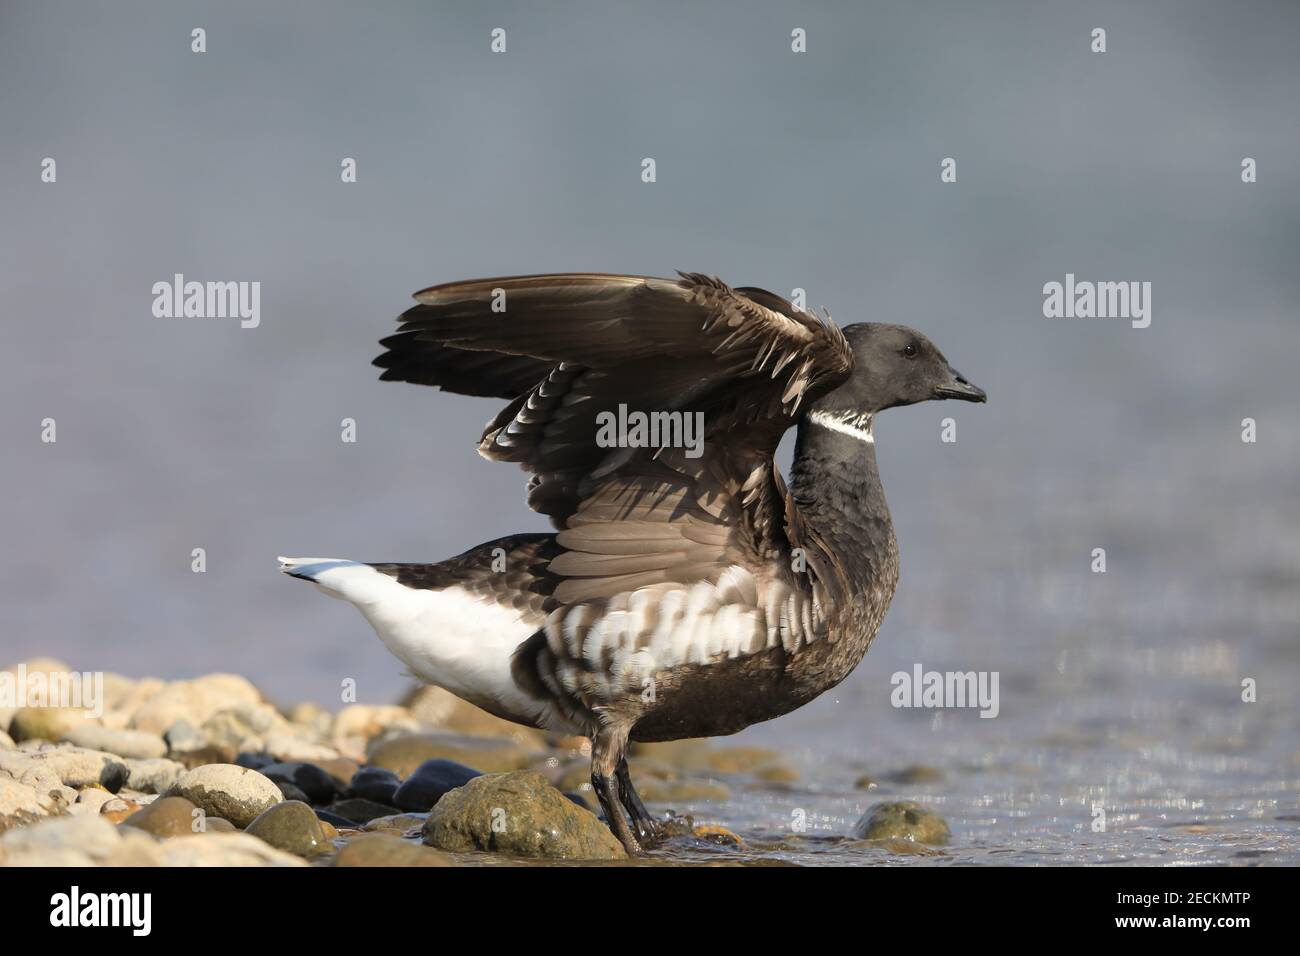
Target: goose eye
<point x="909" y="350"/>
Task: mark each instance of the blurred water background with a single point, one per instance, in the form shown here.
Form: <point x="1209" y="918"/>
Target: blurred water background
<point x="818" y="170"/>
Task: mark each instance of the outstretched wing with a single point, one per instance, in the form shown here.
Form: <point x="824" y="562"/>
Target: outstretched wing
<point x="636" y="521"/>
<point x="588" y="344"/>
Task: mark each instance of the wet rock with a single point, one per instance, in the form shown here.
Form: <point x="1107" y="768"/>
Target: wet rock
<point x="123" y="743"/>
<point x="225" y="790"/>
<point x="381" y="849"/>
<point x="45" y="723"/>
<point x="153" y="776"/>
<point x="404" y="754"/>
<point x="315" y="783"/>
<point x="430" y="781"/>
<point x="580" y="800"/>
<point x="521" y="814"/>
<point x="917" y="773"/>
<point x="358" y="810"/>
<point x="714" y="833"/>
<point x="375" y="783"/>
<point x="435" y="707"/>
<point x="733" y="759"/>
<point x="692" y="752"/>
<point x="402" y="824"/>
<point x="334" y="820"/>
<point x="776" y="773"/>
<point x="168" y="817"/>
<point x="864" y="783"/>
<point x="682" y="791"/>
<point x="293" y="827"/>
<point x="903" y="820"/>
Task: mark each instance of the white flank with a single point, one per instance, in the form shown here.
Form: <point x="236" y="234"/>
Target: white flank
<point x="449" y="637"/>
<point x="855" y="426"/>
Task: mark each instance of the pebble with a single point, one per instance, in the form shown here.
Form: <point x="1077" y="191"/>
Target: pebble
<point x="404" y="754"/>
<point x="293" y="827"/>
<point x="334" y="820"/>
<point x="340" y="768"/>
<point x="682" y="791"/>
<point x="359" y="810"/>
<point x="776" y="773"/>
<point x="375" y="783"/>
<point x="434" y="707"/>
<point x="153" y="776"/>
<point x="225" y="790"/>
<point x="244" y="727"/>
<point x="21" y="804"/>
<point x="119" y="810"/>
<point x="44" y="723"/>
<point x="194" y="701"/>
<point x="182" y="736"/>
<point x="123" y="743"/>
<point x="902" y="820"/>
<point x="404" y="824"/>
<point x="168" y="817"/>
<point x="77" y="841"/>
<point x="916" y="773"/>
<point x="317" y="785"/>
<point x="430" y="781"/>
<point x="381" y="849"/>
<point x="91" y="800"/>
<point x="518" y="813"/>
<point x="72" y="766"/>
<point x="290" y="748"/>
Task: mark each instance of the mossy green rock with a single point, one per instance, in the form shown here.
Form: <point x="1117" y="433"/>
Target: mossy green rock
<point x="291" y="826"/>
<point x="904" y="820"/>
<point x="518" y="813"/>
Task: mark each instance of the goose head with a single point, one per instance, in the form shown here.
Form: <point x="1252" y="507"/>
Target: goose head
<point x="894" y="365"/>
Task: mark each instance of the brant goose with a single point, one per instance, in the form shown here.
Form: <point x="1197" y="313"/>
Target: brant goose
<point x="688" y="591"/>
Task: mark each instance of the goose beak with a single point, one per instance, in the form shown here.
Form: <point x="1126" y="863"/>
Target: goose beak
<point x="957" y="387"/>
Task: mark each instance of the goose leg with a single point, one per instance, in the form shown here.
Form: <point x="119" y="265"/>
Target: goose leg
<point x="607" y="748"/>
<point x="647" y="828"/>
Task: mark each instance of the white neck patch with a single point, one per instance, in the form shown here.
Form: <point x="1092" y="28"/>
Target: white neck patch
<point x="846" y="423"/>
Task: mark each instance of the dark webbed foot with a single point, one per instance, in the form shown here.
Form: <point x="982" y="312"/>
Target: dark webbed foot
<point x="648" y="830"/>
<point x="606" y="787"/>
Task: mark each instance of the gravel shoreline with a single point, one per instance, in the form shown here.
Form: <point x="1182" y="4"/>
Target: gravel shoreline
<point x="208" y="772"/>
